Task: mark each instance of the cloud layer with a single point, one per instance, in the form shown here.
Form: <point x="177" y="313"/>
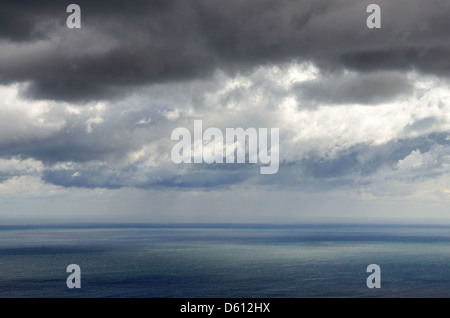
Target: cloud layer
<point x="360" y="110"/>
<point x="121" y="46"/>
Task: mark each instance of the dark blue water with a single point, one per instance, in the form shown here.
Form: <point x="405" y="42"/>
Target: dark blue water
<point x="225" y="261"/>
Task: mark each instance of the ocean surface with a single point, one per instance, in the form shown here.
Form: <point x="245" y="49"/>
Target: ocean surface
<point x="225" y="260"/>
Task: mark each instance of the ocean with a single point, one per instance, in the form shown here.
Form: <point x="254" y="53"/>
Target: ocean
<point x="226" y="261"/>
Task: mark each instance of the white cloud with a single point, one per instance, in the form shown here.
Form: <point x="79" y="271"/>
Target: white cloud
<point x="144" y="121"/>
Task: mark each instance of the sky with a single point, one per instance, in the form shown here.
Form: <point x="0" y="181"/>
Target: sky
<point x="86" y="115"/>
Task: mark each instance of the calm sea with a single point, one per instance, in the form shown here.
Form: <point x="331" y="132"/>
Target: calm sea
<point x="225" y="260"/>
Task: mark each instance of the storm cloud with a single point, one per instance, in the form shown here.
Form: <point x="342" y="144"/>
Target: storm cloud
<point x="122" y="45"/>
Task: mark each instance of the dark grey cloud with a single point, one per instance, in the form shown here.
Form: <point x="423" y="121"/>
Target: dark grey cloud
<point x="21" y="20"/>
<point x="144" y="42"/>
<point x="423" y="58"/>
<point x="137" y="43"/>
<point x="331" y="33"/>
